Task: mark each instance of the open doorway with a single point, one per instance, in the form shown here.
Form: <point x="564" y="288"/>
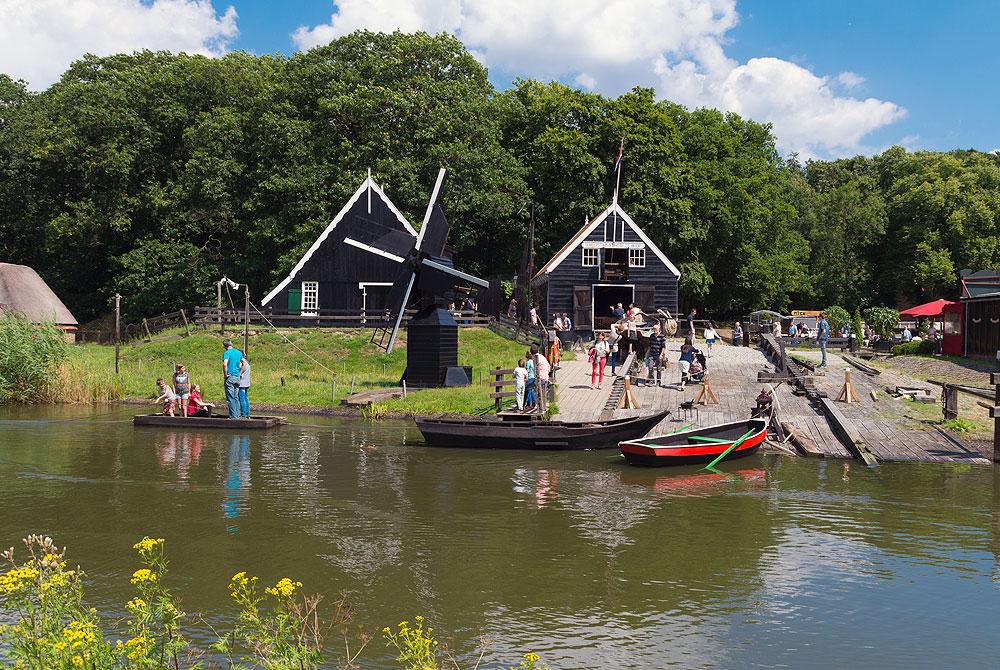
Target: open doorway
<point x="606" y="297"/>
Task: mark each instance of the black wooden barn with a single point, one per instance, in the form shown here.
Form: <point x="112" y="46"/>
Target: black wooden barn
<point x="333" y="274"/>
<point x="609" y="260"/>
<point x="981" y="303"/>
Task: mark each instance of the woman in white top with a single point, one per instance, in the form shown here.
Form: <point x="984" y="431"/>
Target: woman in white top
<point x="599" y="358"/>
<point x="710" y="336"/>
<point x="613" y="338"/>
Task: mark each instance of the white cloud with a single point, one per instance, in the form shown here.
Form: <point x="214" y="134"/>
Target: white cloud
<point x="678" y="46"/>
<point x="40" y="38"/>
<point x="850" y="79"/>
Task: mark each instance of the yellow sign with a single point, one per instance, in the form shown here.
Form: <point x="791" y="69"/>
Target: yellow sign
<point x="806" y="312"/>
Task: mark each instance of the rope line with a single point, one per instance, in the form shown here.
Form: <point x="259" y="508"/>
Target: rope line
<point x="288" y="341"/>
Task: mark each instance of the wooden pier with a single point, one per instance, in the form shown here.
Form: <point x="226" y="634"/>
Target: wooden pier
<point x="877" y="428"/>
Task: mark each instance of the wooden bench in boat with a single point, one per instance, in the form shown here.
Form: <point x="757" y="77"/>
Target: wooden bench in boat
<point x="252" y="423"/>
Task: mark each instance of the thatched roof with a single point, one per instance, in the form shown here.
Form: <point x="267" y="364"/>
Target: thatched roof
<point x="24" y="292"/>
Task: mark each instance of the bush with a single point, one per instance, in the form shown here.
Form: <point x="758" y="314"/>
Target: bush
<point x="837" y="317"/>
<point x="914" y="348"/>
<point x="856" y="327"/>
<point x="883" y="320"/>
<point x="30" y="355"/>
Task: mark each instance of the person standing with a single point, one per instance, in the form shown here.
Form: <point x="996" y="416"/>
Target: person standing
<point x="557" y="323"/>
<point x="687" y="358"/>
<point x="520" y="381"/>
<point x="231" y="359"/>
<point x="776" y="328"/>
<point x="567" y="330"/>
<point x="710" y="337"/>
<point x="598" y="359"/>
<point x="738" y="335"/>
<point x="690" y="321"/>
<point x="533" y="316"/>
<point x="182" y="387"/>
<point x="529" y="388"/>
<point x="822" y="336"/>
<point x="793" y="330"/>
<point x="542" y="370"/>
<point x="907" y="336"/>
<point x="512" y="309"/>
<point x="614" y="337"/>
<point x="244" y="393"/>
<point x="654" y="356"/>
<point x="619" y="312"/>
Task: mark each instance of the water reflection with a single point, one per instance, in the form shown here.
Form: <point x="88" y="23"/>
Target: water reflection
<point x="773" y="562"/>
<point x="237" y="480"/>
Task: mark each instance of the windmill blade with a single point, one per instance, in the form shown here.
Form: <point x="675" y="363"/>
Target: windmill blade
<point x="386" y="238"/>
<point x="374" y="250"/>
<point x="430" y="208"/>
<point x="403" y="301"/>
<point x="438" y="278"/>
<point x="437" y="233"/>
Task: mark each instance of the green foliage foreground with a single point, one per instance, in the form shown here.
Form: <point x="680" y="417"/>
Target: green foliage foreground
<point x="277" y="627"/>
<point x="309" y="369"/>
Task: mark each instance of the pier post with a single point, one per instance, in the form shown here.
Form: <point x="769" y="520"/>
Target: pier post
<point x="995" y="378"/>
<point x="118" y="329"/>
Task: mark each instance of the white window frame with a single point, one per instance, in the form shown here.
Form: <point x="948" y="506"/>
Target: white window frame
<point x="594" y="253"/>
<point x="310" y="298"/>
<point x="637" y="257"/>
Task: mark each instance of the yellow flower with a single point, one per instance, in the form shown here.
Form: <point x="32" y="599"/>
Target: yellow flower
<point x="143" y="575"/>
<point x="284" y="588"/>
<point x="59" y="646"/>
<point x="135" y="603"/>
<point x="78" y="661"/>
<point x="147" y="544"/>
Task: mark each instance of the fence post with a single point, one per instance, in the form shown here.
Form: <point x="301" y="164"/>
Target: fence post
<point x="950" y="394"/>
<point x="149" y="338"/>
<point x="497" y="387"/>
<point x="187" y="328"/>
<point x="118" y="329"/>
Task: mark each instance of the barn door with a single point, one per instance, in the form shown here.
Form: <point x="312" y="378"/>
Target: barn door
<point x="582" y="306"/>
<point x="645" y="297"/>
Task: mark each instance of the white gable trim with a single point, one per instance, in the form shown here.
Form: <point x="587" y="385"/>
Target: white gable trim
<point x="367" y="186"/>
<point x="585" y="232"/>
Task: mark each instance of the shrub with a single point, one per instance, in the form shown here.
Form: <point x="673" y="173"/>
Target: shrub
<point x="30" y="355"/>
<point x="915" y="347"/>
<point x="883" y="320"/>
<point x="837" y="316"/>
<point x="856" y="326"/>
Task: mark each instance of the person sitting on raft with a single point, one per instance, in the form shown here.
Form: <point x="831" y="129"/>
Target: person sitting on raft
<point x="167" y="397"/>
<point x="196" y="405"/>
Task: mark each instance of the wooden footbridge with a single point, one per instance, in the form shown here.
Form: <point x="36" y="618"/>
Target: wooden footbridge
<point x="877" y="427"/>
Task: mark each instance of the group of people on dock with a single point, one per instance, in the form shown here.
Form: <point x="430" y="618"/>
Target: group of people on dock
<point x="533" y="379"/>
<point x="182" y="397"/>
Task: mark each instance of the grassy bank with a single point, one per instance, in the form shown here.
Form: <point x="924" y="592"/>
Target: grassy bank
<point x="88" y="374"/>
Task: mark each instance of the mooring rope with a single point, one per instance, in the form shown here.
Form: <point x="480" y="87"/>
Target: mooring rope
<point x="288" y="341"/>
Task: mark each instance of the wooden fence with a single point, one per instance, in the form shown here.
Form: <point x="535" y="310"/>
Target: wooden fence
<point x="209" y="317"/>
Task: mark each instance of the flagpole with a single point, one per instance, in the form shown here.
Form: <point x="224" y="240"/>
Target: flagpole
<point x="618" y="178"/>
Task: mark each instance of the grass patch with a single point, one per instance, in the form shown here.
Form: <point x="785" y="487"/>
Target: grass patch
<point x="329" y="358"/>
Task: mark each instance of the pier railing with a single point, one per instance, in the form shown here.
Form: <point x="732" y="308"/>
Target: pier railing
<point x="208" y="317"/>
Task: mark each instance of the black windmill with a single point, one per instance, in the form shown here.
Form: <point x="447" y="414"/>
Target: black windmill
<point x="425" y="280"/>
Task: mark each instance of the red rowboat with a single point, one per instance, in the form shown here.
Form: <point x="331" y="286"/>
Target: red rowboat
<point x="701" y="445"/>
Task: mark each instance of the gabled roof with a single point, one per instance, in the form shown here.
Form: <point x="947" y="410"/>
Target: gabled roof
<point x="588" y="228"/>
<point x="23" y="292"/>
<point x="368" y="186"/>
<point x="982" y="284"/>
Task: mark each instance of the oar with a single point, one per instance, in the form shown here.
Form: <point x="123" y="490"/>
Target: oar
<point x="676" y="430"/>
<point x="710" y="440"/>
<point x="731" y="447"/>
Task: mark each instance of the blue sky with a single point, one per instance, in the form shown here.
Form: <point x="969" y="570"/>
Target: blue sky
<point x="835" y="78"/>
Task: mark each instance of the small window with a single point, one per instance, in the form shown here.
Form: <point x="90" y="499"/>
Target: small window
<point x="637" y="258"/>
<point x="310" y="298"/>
<point x="589" y="257"/>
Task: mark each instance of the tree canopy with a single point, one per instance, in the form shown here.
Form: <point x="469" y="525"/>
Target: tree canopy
<point x="154" y="173"/>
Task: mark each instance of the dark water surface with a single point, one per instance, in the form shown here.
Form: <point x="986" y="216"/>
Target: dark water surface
<point x="788" y="563"/>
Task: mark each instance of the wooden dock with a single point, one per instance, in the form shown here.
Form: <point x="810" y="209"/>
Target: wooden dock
<point x="889" y="429"/>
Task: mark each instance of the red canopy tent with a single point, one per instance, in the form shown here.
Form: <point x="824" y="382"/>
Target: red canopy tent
<point x="948" y="314"/>
<point x="936" y="308"/>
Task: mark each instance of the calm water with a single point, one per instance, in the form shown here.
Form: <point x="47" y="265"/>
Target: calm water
<point x="786" y="563"/>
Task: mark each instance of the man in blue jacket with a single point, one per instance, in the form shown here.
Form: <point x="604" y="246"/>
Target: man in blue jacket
<point x="231" y="359"/>
<point x="822" y="335"/>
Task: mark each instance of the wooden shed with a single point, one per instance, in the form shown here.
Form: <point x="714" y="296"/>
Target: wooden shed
<point x="609" y="260"/>
<point x="333" y="274"/>
<point x="24" y="292"/>
<point x="981" y="320"/>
